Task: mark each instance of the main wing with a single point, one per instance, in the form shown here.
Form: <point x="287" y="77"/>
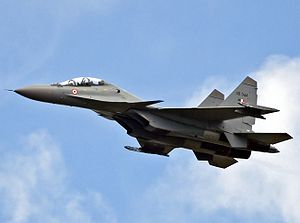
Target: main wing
<point x="216" y="113"/>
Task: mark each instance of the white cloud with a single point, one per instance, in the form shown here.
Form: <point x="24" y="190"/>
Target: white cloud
<point x="265" y="188"/>
<point x="34" y="187"/>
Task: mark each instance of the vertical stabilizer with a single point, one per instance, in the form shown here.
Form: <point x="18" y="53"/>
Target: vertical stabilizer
<point x="245" y="93"/>
<point x="215" y="98"/>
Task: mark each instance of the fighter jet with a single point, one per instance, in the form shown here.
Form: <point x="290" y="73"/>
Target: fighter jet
<point x="218" y="130"/>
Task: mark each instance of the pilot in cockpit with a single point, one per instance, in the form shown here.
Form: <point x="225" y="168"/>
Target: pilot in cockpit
<point x="82" y="81"/>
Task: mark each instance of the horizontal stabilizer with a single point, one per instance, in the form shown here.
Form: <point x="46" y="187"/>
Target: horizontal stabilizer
<point x="213" y="99"/>
<point x="236" y="141"/>
<point x="266" y="138"/>
<point x="216" y="160"/>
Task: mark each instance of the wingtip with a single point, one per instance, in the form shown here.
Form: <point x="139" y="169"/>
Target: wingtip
<point x="289" y="136"/>
<point x="272" y="110"/>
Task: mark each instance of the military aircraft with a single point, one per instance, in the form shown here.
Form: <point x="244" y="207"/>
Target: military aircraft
<point x="218" y="130"/>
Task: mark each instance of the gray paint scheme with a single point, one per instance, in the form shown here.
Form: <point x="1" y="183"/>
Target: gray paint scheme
<point x="217" y="131"/>
<point x="215" y="98"/>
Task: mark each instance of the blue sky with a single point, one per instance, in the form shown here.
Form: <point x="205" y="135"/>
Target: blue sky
<point x="63" y="164"/>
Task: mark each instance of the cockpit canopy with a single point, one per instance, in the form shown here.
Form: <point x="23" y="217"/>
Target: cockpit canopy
<point x="83" y="81"/>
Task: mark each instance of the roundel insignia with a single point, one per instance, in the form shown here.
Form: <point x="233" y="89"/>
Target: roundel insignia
<point x="243" y="101"/>
<point x="74" y="91"/>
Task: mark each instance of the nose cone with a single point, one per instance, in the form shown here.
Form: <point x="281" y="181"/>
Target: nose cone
<point x="39" y="93"/>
